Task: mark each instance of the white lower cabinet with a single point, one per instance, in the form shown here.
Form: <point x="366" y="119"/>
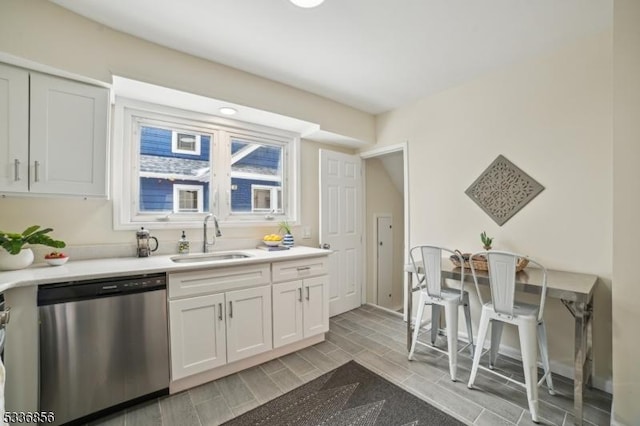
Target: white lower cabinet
<point x="300" y="310"/>
<point x="212" y="330"/>
<point x="248" y="322"/>
<point x="198" y="336"/>
<point x="222" y="315"/>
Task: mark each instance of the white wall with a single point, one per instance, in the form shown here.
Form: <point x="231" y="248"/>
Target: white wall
<point x="41" y="32"/>
<point x="626" y="211"/>
<point x="552" y="117"/>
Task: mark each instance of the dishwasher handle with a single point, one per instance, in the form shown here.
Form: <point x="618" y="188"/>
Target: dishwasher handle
<point x="109" y="289"/>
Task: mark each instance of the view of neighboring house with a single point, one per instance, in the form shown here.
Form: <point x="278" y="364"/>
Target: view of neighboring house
<point x="175" y="172"/>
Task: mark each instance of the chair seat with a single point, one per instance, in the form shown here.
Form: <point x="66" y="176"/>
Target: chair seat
<point x="521" y="310"/>
<point x="448" y="294"/>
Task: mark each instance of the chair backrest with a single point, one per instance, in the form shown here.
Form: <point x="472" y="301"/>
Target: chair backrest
<point x="427" y="265"/>
<point x="502" y="279"/>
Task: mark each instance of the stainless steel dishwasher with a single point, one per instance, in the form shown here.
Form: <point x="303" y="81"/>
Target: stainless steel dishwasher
<point x="103" y="345"/>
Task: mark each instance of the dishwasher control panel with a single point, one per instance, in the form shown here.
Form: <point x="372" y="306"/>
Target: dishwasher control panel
<point x="79" y="290"/>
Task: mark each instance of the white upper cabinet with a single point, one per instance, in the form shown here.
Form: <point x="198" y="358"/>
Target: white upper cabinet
<point x="14" y="129"/>
<point x="55" y="138"/>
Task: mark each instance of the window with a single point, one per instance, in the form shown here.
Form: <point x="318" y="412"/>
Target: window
<point x="254" y="164"/>
<point x="187" y="198"/>
<point x="172" y="166"/>
<point x="185" y="143"/>
<point x="266" y="199"/>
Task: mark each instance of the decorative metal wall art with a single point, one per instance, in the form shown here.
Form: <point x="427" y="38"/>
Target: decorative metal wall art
<point x="503" y="189"/>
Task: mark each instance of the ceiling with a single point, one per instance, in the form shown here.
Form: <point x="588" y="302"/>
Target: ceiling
<point x="374" y="55"/>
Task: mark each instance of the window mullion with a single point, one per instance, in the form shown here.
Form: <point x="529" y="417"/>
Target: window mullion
<point x="223" y="173"/>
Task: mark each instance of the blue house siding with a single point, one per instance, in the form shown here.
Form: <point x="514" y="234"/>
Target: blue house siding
<point x="156" y="195"/>
<point x="156" y="141"/>
<point x="241" y="197"/>
<point x="266" y="156"/>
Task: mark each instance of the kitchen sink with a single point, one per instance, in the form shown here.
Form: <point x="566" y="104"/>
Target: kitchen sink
<point x="209" y="257"/>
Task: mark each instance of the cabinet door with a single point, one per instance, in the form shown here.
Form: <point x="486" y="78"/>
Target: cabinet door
<point x="315" y="306"/>
<point x="248" y="322"/>
<point x="197" y="334"/>
<point x="14" y="129"/>
<point x="287" y="313"/>
<point x="68" y="139"/>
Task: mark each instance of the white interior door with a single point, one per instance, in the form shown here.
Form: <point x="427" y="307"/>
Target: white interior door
<point x="341" y="227"/>
<point x="384" y="261"/>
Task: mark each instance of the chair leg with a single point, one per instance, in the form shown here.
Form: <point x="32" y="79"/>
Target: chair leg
<point x="416" y="327"/>
<point x="544" y="355"/>
<point x="467" y="317"/>
<point x="482" y="335"/>
<point x="451" y="316"/>
<point x="435" y="323"/>
<point x="496" y="337"/>
<point x="529" y="348"/>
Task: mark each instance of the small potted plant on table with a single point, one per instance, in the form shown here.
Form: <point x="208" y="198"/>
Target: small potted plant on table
<point x="486" y="241"/>
<point x="14" y="254"/>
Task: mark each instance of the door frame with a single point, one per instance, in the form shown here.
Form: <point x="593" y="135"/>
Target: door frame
<point x="378" y="152"/>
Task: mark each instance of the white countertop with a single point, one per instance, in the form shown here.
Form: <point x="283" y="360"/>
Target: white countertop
<point x="42" y="273"/>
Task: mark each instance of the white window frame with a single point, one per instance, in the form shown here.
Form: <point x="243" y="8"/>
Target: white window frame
<point x="275" y="190"/>
<point x="174" y="143"/>
<point x="125" y="182"/>
<point x="199" y="189"/>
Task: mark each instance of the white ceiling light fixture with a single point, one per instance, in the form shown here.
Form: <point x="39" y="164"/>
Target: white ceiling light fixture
<point x="228" y="110"/>
<point x="307" y="4"/>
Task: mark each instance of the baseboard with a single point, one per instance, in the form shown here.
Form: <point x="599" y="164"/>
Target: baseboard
<point x="604" y="384"/>
<point x="556" y="367"/>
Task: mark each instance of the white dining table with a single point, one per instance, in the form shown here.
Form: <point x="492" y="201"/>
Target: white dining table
<point x="575" y="290"/>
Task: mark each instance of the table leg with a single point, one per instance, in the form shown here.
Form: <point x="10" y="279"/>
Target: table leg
<point x="582" y="353"/>
<point x="409" y="291"/>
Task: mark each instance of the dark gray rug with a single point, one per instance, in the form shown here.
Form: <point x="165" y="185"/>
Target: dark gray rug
<point x="348" y="395"/>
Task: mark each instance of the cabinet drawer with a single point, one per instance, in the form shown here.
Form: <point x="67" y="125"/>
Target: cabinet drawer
<point x="216" y="280"/>
<point x="297" y="269"/>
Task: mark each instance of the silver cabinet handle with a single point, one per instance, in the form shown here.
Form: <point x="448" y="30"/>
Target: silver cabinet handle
<point x="303" y="268"/>
<point x="308" y="293"/>
<point x="230" y="309"/>
<point x="16" y="172"/>
<point x="36" y="170"/>
<point x="220" y="311"/>
<point x="299" y="294"/>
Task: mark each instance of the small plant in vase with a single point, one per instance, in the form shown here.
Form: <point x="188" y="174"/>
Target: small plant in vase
<point x="486" y="241"/>
<point x="14" y="254"/>
<point x="287" y="240"/>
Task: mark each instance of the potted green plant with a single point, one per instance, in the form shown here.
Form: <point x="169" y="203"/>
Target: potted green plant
<point x="14" y="254"/>
<point x="486" y="241"/>
<point x="287" y="239"/>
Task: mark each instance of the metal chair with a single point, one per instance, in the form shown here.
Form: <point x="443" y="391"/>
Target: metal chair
<point x="503" y="308"/>
<point x="428" y="269"/>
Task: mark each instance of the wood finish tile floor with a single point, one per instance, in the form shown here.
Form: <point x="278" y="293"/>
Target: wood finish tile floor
<point x="376" y="339"/>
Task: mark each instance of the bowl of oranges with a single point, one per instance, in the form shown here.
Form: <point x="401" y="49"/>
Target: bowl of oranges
<point x="272" y="240"/>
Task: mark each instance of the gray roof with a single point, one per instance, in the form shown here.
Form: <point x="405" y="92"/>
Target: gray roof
<point x="188" y="167"/>
<point x="171" y="165"/>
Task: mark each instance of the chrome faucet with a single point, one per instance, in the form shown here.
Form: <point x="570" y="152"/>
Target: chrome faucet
<point x="217" y="233"/>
